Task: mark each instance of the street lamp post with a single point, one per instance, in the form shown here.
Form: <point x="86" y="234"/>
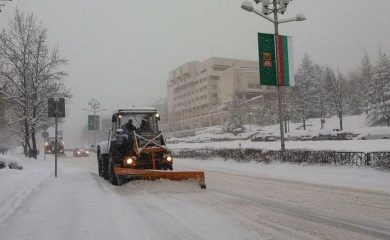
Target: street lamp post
<point x="277" y="6"/>
<point x="94" y="108"/>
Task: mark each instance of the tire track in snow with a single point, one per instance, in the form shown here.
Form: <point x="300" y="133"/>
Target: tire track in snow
<point x="353" y="226"/>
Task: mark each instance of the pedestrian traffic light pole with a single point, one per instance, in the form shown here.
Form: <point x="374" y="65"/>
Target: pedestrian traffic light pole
<point x="278" y="6"/>
<point x="56" y="109"/>
<point x="56" y="113"/>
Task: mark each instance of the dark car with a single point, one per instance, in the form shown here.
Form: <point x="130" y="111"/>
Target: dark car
<point x="265" y="137"/>
<point x="80" y="152"/>
<point x="50" y="145"/>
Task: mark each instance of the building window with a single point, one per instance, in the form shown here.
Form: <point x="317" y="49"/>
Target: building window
<point x="220" y="67"/>
<point x="214" y="77"/>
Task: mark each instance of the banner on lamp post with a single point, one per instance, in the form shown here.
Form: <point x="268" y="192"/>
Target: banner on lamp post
<point x="267" y="60"/>
<point x="93" y="122"/>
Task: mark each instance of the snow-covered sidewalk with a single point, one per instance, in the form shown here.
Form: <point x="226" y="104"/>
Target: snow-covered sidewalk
<point x="17" y="185"/>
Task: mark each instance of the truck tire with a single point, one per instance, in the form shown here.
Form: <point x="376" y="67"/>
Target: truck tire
<point x="99" y="160"/>
<point x="112" y="176"/>
<point x="104" y="164"/>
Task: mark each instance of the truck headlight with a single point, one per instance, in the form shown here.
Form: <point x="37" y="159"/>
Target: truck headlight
<point x="129" y="161"/>
<point x="169" y="158"/>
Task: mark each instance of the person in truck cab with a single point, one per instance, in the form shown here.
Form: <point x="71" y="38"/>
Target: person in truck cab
<point x="129" y="127"/>
<point x="145" y="126"/>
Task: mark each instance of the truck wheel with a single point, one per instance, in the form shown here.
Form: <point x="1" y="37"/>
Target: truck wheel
<point x="99" y="160"/>
<point x="112" y="177"/>
<point x="105" y="172"/>
<point x="120" y="180"/>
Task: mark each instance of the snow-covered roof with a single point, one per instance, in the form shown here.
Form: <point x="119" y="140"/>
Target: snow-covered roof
<point x="136" y="110"/>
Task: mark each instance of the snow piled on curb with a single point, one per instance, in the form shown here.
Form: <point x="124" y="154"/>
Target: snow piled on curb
<point x="340" y="176"/>
<point x="17" y="185"/>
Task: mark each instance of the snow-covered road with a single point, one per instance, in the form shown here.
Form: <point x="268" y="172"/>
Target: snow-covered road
<point x="236" y="205"/>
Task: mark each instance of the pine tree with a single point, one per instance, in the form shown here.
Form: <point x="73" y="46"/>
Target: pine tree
<point x="379" y="92"/>
<point x="308" y="90"/>
<point x="358" y="87"/>
<point x="234" y="121"/>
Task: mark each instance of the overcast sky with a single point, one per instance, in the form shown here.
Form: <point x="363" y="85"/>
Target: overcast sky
<point x="121" y="51"/>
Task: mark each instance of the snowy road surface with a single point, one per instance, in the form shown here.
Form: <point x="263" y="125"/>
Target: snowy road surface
<point x="236" y="205"/>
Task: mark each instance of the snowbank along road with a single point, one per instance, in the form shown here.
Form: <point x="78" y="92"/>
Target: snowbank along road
<point x="81" y="205"/>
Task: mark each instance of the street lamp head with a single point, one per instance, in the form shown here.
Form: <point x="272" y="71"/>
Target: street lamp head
<point x="266" y="3"/>
<point x="266" y="11"/>
<point x="247" y="6"/>
<point x="300" y="17"/>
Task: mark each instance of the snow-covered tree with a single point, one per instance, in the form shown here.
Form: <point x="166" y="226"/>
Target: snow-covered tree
<point x="358" y="87"/>
<point x="267" y="110"/>
<point x="30" y="74"/>
<point x="234" y="121"/>
<point x="3" y="123"/>
<point x="307" y="90"/>
<point x="335" y="88"/>
<point x="379" y="92"/>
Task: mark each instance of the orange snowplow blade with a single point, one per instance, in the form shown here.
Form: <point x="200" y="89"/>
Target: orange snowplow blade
<point x="156" y="174"/>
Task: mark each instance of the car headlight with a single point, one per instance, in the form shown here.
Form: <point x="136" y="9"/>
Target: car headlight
<point x="46" y="143"/>
<point x="169" y="158"/>
<point x="78" y="152"/>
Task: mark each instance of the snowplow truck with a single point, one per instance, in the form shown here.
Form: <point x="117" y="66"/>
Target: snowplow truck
<point x="135" y="149"/>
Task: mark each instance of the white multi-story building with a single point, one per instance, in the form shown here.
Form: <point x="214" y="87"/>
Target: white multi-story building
<point x="196" y="90"/>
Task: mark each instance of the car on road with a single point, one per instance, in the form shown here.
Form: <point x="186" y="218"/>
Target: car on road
<point x="80" y="152"/>
<point x="50" y="144"/>
<point x="375" y="133"/>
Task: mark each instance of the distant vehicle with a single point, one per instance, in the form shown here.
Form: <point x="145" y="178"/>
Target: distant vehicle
<point x="333" y="134"/>
<point x="375" y="133"/>
<point x="80" y="152"/>
<point x="265" y="137"/>
<point x="345" y="136"/>
<point x="299" y="135"/>
<point x="50" y="145"/>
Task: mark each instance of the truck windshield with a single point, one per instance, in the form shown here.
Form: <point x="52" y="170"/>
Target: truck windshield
<point x="143" y="122"/>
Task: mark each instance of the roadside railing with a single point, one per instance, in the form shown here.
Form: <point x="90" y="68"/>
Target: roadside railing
<point x="375" y="159"/>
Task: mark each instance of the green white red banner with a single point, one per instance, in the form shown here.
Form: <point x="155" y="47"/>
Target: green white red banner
<point x="267" y="63"/>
